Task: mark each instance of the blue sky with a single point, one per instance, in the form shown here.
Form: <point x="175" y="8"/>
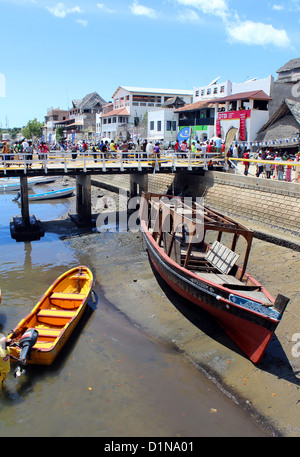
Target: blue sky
<point x="53" y="52"/>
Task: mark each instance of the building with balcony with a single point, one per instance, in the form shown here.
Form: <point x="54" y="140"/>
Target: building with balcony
<point x="82" y="117"/>
<point x="199" y="117"/>
<point x="246" y="111"/>
<point x="130" y="108"/>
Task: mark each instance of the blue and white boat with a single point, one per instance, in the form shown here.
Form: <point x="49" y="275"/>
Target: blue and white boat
<point x="13" y="184"/>
<point x="54" y="194"/>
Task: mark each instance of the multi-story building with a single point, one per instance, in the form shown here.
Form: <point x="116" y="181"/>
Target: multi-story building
<point x="130" y="108"/>
<point x="209" y="115"/>
<point x="81" y="118"/>
<point x="212" y="90"/>
<point x="247" y="112"/>
<point x="53" y="117"/>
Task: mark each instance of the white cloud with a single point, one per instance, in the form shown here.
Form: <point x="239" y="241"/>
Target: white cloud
<point x="82" y="22"/>
<point x="140" y="10"/>
<point x="278" y="7"/>
<point x="216" y="7"/>
<point x="189" y="16"/>
<point x="60" y="10"/>
<point x="257" y="33"/>
<point x="104" y="8"/>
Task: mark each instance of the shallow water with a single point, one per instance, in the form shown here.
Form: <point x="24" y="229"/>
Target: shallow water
<point x="111" y="379"/>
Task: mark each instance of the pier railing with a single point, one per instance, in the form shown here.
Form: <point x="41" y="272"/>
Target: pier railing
<point x="95" y="161"/>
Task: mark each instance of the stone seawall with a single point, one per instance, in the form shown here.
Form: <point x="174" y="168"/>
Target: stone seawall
<point x="272" y="203"/>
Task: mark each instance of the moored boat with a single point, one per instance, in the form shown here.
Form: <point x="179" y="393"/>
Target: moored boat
<point x="205" y="272"/>
<point x="13" y="184"/>
<point x="51" y="322"/>
<point x="52" y="195"/>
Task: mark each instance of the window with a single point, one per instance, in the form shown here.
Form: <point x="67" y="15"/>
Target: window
<point x="208" y="91"/>
<point x="215" y="90"/>
<point x="151" y="125"/>
<point x="114" y="120"/>
<point x="159" y="126"/>
<point x="171" y="125"/>
<point x="222" y="89"/>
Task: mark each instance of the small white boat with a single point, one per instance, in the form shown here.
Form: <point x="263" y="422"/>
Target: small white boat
<point x="42" y="179"/>
<point x="13" y="184"/>
<point x="54" y="194"/>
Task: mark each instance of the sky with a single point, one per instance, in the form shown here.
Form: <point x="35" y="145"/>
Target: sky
<point x="53" y="52"/>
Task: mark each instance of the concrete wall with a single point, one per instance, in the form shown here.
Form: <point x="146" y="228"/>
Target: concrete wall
<point x="268" y="202"/>
<point x="272" y="203"/>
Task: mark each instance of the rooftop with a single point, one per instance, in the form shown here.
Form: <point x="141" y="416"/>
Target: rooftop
<point x="116" y="112"/>
<point x="196" y="106"/>
<point x="252" y="95"/>
<point x="148" y="90"/>
<point x="291" y="65"/>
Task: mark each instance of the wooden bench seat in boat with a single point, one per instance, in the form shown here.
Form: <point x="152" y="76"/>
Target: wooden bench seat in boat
<point x="231" y="282"/>
<point x="56" y="313"/>
<point x="56" y="317"/>
<point x="221" y="257"/>
<point x="221" y="279"/>
<point x="48" y="332"/>
<point x="66" y="296"/>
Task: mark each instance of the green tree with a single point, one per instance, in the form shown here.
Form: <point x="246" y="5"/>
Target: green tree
<point x="59" y="134"/>
<point x="33" y="129"/>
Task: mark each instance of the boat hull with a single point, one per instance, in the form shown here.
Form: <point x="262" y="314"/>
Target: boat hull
<point x="54" y="195"/>
<point x="249" y="329"/>
<point x="55" y="316"/>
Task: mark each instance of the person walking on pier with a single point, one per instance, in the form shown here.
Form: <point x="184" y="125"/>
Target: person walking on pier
<point x="246" y="163"/>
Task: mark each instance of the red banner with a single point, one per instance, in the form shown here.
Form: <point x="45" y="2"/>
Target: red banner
<point x="243" y="126"/>
<point x="242" y="115"/>
<point x="228" y="115"/>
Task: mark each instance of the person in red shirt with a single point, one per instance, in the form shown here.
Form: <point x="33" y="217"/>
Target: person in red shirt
<point x="246" y="164"/>
<point x="209" y="147"/>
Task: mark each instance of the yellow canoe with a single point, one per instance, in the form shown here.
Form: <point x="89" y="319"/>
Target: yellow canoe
<point x="55" y="316"/>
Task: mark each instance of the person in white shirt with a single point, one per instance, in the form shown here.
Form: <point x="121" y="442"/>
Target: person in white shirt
<point x="149" y="148"/>
<point x="218" y="143"/>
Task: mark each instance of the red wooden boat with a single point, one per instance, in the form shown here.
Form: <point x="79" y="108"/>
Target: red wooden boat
<point x="177" y="232"/>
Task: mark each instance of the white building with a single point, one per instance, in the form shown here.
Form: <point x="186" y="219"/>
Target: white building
<point x="245" y="111"/>
<point x="224" y="89"/>
<point x="162" y="125"/>
<point x="212" y="90"/>
<point x="129" y="107"/>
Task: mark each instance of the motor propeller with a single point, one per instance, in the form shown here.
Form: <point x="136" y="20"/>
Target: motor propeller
<point x="26" y="343"/>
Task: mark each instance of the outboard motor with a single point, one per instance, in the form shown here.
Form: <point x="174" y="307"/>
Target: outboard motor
<point x="26" y="343"/>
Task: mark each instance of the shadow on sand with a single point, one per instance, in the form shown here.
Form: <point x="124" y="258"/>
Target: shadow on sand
<point x="274" y="360"/>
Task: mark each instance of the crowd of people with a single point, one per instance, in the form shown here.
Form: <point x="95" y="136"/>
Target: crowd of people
<point x="147" y="149"/>
<point x="268" y="168"/>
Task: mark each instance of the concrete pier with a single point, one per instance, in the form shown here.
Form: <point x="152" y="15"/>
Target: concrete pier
<point x="25" y="227"/>
<point x="138" y="184"/>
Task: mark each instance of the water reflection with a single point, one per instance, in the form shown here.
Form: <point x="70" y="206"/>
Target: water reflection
<point x="111" y="379"/>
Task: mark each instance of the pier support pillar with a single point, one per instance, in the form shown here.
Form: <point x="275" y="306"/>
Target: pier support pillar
<point x="25" y="227"/>
<point x="138" y="184"/>
<point x="24" y="200"/>
<point x="83" y="215"/>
